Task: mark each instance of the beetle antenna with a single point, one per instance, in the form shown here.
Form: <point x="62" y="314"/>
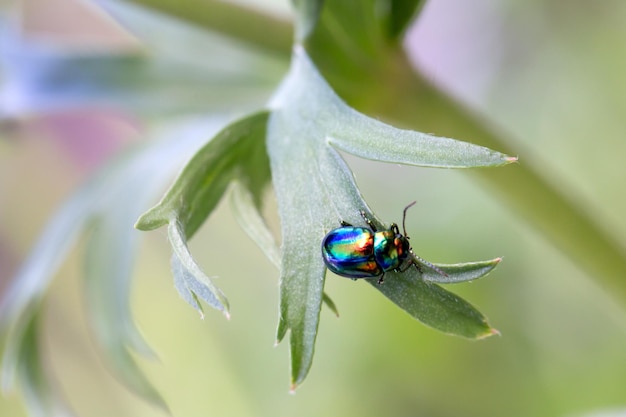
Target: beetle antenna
<point x="404" y="217"/>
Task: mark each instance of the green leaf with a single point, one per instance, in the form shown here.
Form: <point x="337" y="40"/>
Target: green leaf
<point x="433" y="306"/>
<point x="315" y="189"/>
<point x="396" y="92"/>
<point x="462" y="272"/>
<point x="251" y="221"/>
<point x="235" y="154"/>
<point x="189" y="279"/>
<point x="201" y="184"/>
<point x="249" y="218"/>
<point x="417" y="294"/>
<point x="371" y="139"/>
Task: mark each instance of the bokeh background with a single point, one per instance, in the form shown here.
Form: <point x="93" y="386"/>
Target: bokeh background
<point x="549" y="75"/>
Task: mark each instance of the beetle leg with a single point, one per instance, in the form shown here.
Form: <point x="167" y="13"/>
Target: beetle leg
<point x="381" y="279"/>
<point x="344" y="223"/>
<point x="368" y="221"/>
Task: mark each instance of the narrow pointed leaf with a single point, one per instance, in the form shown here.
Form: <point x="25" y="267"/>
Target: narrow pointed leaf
<point x="201" y="184"/>
<point x="371" y="139"/>
<point x="235" y="153"/>
<point x="434" y="306"/>
<point x="252" y="223"/>
<point x="41" y="396"/>
<point x="462" y="272"/>
<point x="190" y="281"/>
<point x="109" y="261"/>
<point x="315" y="190"/>
<point x="353" y="132"/>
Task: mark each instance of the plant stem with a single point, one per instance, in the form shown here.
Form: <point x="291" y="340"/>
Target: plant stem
<point x="244" y="24"/>
<point x="528" y="191"/>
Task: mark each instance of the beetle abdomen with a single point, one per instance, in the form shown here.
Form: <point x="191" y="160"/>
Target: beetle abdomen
<point x="349" y="251"/>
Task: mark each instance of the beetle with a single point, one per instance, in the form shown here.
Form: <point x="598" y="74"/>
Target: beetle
<point x="366" y="252"/>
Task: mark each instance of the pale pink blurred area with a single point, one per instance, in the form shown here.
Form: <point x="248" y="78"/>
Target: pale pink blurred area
<point x="87" y="137"/>
<point x="44" y="158"/>
<point x="72" y="24"/>
<point x="458" y="45"/>
<point x="45" y="155"/>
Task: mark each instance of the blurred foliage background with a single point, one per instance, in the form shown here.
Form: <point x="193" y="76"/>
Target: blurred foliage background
<point x="547" y="75"/>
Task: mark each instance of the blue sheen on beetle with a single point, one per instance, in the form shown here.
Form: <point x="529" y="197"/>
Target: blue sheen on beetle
<point x="365" y="252"/>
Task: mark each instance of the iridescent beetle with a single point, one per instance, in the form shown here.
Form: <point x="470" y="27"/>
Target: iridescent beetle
<point x="365" y="252"/>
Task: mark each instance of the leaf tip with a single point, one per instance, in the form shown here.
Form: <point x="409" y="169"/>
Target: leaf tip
<point x="511" y="159"/>
<point x="226" y="314"/>
<point x="490" y="332"/>
<point x="292" y="388"/>
<point x="149" y="221"/>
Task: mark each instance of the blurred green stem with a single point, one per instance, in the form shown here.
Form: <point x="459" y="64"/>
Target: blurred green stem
<point x="418" y="104"/>
<point x="408" y="98"/>
<point x="244" y="24"/>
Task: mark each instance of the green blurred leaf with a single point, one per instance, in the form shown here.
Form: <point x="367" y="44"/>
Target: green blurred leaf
<point x="113" y="242"/>
<point x="401" y="14"/>
<point x="22" y="362"/>
<point x="315" y="189"/>
<point x="42" y="397"/>
<point x="109" y="257"/>
<point x="531" y="192"/>
<point x="307" y="15"/>
<point x="264" y="32"/>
